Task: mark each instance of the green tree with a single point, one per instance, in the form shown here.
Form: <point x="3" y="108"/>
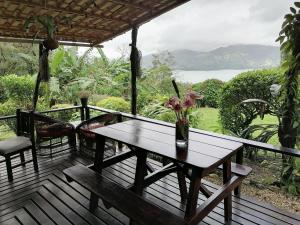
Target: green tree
<point x="211" y="90"/>
<point x="19" y="59"/>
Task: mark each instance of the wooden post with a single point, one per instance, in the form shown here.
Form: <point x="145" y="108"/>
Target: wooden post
<point x="18" y="122"/>
<point x="134" y="70"/>
<point x="38" y="82"/>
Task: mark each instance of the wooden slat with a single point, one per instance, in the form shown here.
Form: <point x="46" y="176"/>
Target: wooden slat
<point x="140" y="210"/>
<point x="51" y="187"/>
<point x="196" y="155"/>
<point x="246" y="142"/>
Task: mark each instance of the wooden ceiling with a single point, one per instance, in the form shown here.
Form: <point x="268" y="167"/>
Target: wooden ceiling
<point x="89" y="21"/>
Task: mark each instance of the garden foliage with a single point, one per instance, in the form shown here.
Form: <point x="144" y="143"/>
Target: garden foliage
<point x="211" y="90"/>
<point x="234" y="116"/>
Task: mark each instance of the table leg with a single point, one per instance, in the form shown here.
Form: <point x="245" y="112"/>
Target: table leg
<point x="182" y="185"/>
<point x="140" y="172"/>
<point x="228" y="199"/>
<point x="193" y="193"/>
<point x="99" y="153"/>
<point x="98" y="165"/>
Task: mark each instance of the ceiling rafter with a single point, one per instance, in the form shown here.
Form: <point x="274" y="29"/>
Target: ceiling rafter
<point x="85" y="28"/>
<point x="69" y="11"/>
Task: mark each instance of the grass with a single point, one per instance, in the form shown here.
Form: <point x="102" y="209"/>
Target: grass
<point x="210" y="121"/>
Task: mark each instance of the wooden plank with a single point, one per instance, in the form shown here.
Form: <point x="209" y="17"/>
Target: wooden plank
<point x="12" y="221"/>
<point x="126" y="201"/>
<point x="246" y="142"/>
<point x="169" y="150"/>
<point x="26" y="218"/>
<point x="37" y="214"/>
<point x="227" y="144"/>
<point x="164" y="192"/>
<point x="237" y="212"/>
<point x="156" y="135"/>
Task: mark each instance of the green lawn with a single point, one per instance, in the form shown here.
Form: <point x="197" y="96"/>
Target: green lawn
<point x="210" y="121"/>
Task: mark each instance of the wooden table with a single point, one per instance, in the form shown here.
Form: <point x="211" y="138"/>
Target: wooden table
<point x="204" y="155"/>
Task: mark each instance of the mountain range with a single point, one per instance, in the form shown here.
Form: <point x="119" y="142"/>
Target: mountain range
<point x="231" y="57"/>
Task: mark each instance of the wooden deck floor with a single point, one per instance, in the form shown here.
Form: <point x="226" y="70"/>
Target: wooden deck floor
<point x="47" y="198"/>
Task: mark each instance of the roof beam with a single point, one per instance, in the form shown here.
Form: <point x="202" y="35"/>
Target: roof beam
<point x="75" y="12"/>
<point x="17" y="33"/>
<point x="29" y="41"/>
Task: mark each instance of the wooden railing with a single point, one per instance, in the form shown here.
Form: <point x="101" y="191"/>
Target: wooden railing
<point x="85" y="114"/>
<point x="245" y="142"/>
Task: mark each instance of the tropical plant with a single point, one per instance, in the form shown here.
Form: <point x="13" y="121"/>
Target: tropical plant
<point x="115" y="103"/>
<point x="289" y="38"/>
<point x="46" y="24"/>
<point x="235" y="117"/>
<point x="211" y="90"/>
<point x="16" y="58"/>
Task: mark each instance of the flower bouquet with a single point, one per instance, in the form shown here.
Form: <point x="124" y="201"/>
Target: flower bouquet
<point x="182" y="107"/>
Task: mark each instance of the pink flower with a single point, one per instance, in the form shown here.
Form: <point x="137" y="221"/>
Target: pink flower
<point x="193" y="95"/>
<point x="172" y="102"/>
<point x="188" y="102"/>
<point x="177" y="107"/>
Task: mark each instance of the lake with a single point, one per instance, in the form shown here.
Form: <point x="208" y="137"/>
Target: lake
<point x="199" y="76"/>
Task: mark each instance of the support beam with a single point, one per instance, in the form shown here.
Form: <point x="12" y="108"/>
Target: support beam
<point x="39" y="41"/>
<point x="38" y="82"/>
<point x="134" y="70"/>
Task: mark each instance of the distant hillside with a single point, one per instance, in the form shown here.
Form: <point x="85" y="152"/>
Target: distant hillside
<point x="231" y="57"/>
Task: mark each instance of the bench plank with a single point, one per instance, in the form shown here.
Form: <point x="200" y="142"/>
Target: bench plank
<point x="238" y="169"/>
<point x="135" y="207"/>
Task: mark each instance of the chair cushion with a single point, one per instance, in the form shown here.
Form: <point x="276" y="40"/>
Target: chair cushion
<point x="86" y="131"/>
<point x="14" y="144"/>
<point x="54" y="130"/>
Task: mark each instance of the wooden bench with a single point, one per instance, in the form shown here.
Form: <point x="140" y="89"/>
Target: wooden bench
<point x="137" y="208"/>
<point x="239" y="170"/>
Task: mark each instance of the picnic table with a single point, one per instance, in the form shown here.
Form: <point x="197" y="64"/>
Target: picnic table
<point x="205" y="154"/>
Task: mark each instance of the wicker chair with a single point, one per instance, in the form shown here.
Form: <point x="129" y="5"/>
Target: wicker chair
<point x="87" y="140"/>
<point x="51" y="135"/>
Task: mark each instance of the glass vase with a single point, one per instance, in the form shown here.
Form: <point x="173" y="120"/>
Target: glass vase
<point x="182" y="134"/>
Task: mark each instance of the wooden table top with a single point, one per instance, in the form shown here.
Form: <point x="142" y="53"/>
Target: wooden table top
<point x="204" y="151"/>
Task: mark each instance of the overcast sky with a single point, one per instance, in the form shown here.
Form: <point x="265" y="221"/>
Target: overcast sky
<point x="208" y="24"/>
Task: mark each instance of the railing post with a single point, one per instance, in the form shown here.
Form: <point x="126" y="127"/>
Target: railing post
<point x="87" y="113"/>
<point x="18" y="122"/>
<point x="239" y="160"/>
<point x="82" y="113"/>
<point x="120" y="119"/>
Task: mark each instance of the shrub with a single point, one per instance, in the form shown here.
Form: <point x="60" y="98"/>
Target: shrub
<point x="252" y="84"/>
<point x="62" y="115"/>
<point x="6" y="109"/>
<point x="211" y="90"/>
<point x="114" y="103"/>
<point x="18" y="88"/>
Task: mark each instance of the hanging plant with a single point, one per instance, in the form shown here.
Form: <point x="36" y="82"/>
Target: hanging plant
<point x="45" y="24"/>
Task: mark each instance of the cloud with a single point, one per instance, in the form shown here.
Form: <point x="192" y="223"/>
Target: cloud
<point x="209" y="24"/>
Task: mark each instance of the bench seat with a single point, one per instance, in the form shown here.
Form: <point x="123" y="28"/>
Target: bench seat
<point x="137" y="208"/>
<point x="237" y="169"/>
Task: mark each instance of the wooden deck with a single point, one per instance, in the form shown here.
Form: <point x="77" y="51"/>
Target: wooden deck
<point x="47" y="198"/>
